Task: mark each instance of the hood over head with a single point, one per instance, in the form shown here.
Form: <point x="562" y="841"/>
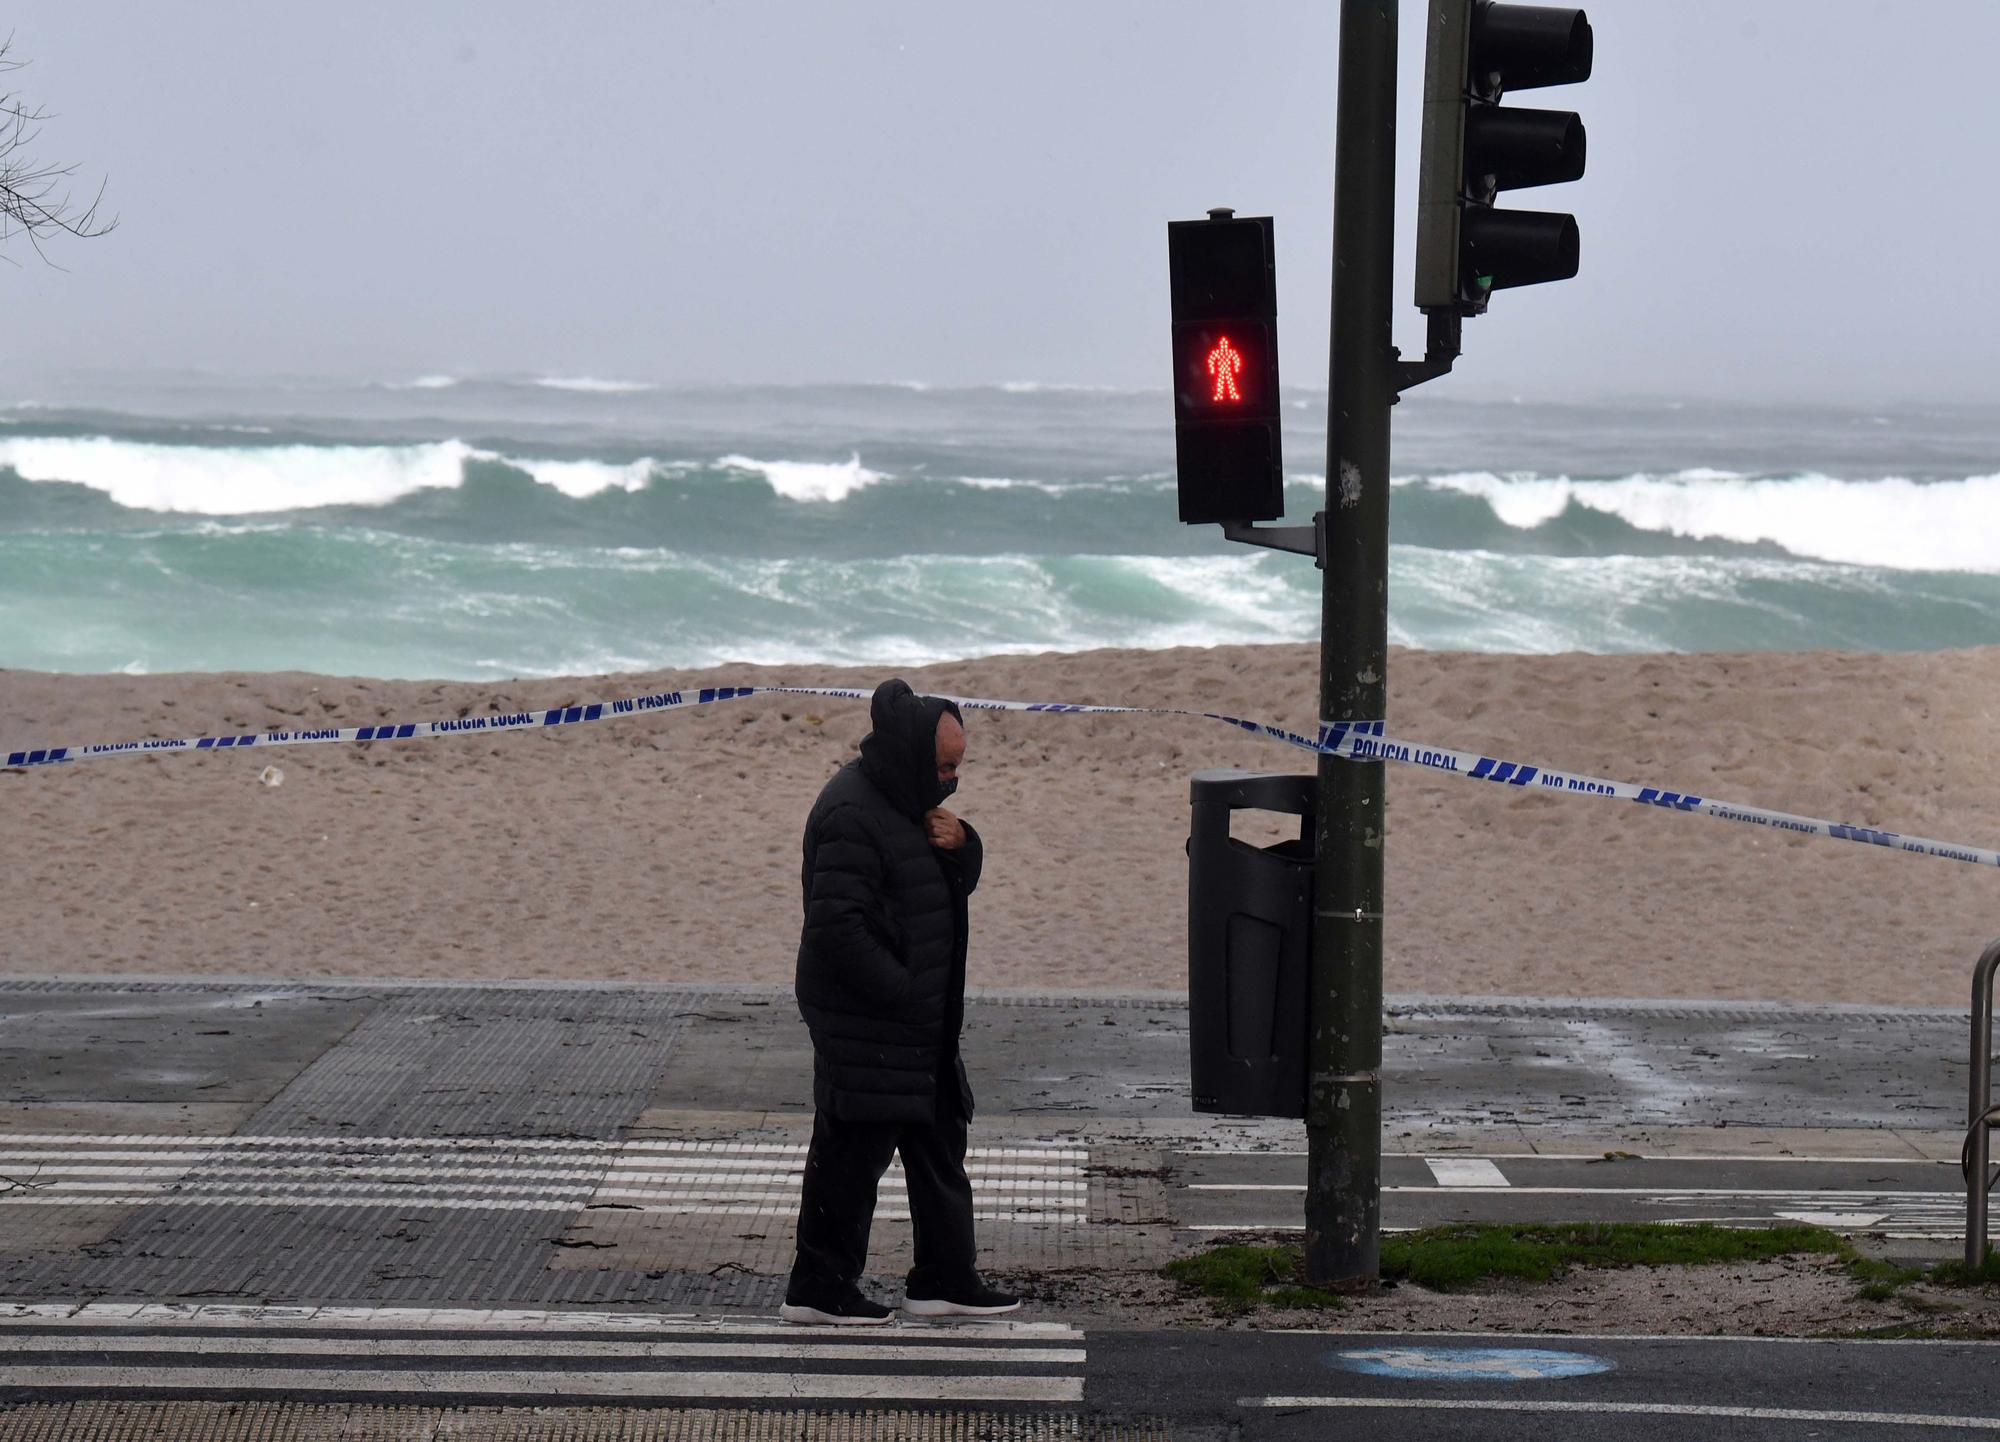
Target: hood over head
<point x="900" y="754"/>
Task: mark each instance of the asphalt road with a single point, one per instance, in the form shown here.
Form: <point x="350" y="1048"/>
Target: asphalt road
<point x="1394" y="1387"/>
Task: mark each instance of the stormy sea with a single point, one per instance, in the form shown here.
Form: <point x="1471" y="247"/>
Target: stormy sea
<point x="469" y="527"/>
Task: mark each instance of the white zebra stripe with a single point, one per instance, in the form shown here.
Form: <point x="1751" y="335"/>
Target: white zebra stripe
<point x="716" y="1177"/>
<point x="139" y="1348"/>
<point x="207" y="1343"/>
<point x="62" y="1139"/>
<point x="237" y="1314"/>
<point x="557" y="1386"/>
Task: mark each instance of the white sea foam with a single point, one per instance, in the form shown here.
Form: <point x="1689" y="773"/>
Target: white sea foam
<point x="428" y="383"/>
<point x="1003" y="483"/>
<point x="237" y="481"/>
<point x="1893" y="522"/>
<point x="808" y="480"/>
<point x="1077" y="388"/>
<point x="591" y="385"/>
<point x="247" y="480"/>
<point x="578" y="479"/>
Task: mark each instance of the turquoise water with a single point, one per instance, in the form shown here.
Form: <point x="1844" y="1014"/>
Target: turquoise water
<point x="477" y="528"/>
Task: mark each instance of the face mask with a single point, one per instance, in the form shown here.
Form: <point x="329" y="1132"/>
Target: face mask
<point x="948" y="787"/>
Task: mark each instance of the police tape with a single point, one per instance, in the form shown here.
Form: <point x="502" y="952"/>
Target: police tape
<point x="1352" y="740"/>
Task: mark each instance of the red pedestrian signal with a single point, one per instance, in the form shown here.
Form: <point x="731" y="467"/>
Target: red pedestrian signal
<point x="1225" y="363"/>
<point x="1225" y="335"/>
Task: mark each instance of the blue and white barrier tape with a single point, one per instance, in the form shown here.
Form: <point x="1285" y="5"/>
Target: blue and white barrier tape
<point x="1353" y="740"/>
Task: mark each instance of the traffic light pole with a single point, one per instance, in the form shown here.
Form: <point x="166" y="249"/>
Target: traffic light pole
<point x="1344" y="1059"/>
<point x="1476" y="52"/>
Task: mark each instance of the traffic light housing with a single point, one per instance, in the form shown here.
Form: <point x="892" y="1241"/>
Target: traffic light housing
<point x="1474" y="148"/>
<point x="1225" y="337"/>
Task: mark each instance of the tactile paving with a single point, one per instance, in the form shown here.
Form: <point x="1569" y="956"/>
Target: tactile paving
<point x="445" y="1063"/>
<point x="487" y="1063"/>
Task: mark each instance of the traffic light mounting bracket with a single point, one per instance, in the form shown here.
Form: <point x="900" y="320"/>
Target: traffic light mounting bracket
<point x="1441" y="343"/>
<point x="1299" y="540"/>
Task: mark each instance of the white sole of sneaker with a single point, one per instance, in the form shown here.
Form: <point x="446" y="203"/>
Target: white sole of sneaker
<point x="814" y="1317"/>
<point x="924" y="1307"/>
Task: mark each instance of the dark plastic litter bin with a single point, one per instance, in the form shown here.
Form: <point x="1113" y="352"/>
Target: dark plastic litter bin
<point x="1249" y="947"/>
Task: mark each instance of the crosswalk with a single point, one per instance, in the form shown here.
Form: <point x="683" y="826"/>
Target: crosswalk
<point x="727" y="1178"/>
<point x="521" y="1356"/>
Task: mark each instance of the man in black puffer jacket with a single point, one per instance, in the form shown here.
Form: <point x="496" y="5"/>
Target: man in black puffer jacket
<point x="881" y="984"/>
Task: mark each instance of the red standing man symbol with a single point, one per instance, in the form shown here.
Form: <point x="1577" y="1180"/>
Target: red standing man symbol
<point x="1225" y="363"/>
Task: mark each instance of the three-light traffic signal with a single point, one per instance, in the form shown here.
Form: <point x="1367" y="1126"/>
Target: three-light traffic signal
<point x="1225" y="320"/>
<point x="1474" y="148"/>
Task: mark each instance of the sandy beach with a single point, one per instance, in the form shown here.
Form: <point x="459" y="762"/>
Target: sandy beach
<point x="664" y="847"/>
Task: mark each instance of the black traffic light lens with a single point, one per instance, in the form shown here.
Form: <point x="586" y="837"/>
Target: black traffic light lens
<point x="1229" y="471"/>
<point x="1529" y="46"/>
<point x="1503" y="248"/>
<point x="1519" y="148"/>
<point x="1220" y="268"/>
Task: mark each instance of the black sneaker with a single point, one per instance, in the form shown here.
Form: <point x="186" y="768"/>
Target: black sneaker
<point x="852" y="1310"/>
<point x="968" y="1299"/>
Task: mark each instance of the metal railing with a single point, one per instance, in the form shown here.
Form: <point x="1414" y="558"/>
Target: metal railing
<point x="1981" y="1113"/>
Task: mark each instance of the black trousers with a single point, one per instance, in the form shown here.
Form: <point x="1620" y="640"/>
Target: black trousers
<point x="844" y="1166"/>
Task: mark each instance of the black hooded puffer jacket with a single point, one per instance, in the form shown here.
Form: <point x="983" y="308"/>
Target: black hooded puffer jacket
<point x="881" y="973"/>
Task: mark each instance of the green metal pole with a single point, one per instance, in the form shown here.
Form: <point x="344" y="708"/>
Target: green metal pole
<point x="1344" y="1089"/>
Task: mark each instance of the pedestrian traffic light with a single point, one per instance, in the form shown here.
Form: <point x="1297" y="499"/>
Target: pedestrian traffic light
<point x="1225" y="322"/>
<point x="1473" y="149"/>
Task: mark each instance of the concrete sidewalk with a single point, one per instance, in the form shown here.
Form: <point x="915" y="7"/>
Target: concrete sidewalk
<point x="533" y="1146"/>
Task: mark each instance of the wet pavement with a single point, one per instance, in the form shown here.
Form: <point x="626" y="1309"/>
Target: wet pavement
<point x="245" y="1208"/>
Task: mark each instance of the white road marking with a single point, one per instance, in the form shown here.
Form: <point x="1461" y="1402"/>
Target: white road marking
<point x="214" y="1314"/>
<point x="1909" y="1160"/>
<point x="341" y="1354"/>
<point x="555" y="1386"/>
<point x="1690" y="1338"/>
<point x="1651" y="1409"/>
<point x="1465" y="1172"/>
<point x="493" y="1164"/>
<point x="317" y="1144"/>
<point x="1807" y="1193"/>
<point x="1839" y="1221"/>
<point x="502" y="1204"/>
<point x="1901" y="1234"/>
<point x="343" y="1168"/>
<point x="1036" y="1184"/>
<point x="208" y="1342"/>
<point x="1907" y="1215"/>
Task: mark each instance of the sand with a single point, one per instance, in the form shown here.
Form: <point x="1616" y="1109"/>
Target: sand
<point x="665" y="846"/>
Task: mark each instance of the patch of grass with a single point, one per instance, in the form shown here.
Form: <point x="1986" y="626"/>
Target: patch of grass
<point x="1884" y="1281"/>
<point x="1238" y="1277"/>
<point x="1957" y="1274"/>
<point x="1881" y="1281"/>
<point x="1443" y="1258"/>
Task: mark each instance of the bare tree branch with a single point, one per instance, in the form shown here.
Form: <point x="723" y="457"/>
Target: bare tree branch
<point x="35" y="201"/>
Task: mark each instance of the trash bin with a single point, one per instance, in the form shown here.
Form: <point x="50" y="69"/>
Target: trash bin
<point x="1249" y="947"/>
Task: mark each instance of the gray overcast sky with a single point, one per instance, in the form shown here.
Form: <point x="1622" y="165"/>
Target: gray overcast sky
<point x="1784" y="198"/>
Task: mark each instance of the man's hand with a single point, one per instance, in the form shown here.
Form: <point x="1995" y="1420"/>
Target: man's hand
<point x="946" y="832"/>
